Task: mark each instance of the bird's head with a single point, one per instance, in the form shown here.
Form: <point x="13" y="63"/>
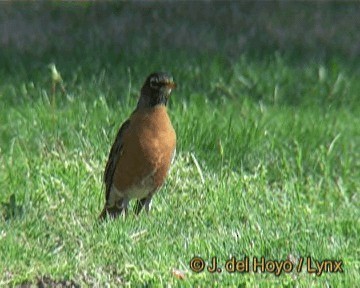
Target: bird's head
<point x="156" y="89"/>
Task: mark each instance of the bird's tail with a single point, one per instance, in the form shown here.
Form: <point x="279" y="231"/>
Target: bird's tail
<point x="103" y="215"/>
<point x="111" y="212"/>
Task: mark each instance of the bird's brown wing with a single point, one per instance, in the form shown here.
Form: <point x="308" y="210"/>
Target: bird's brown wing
<point x="114" y="155"/>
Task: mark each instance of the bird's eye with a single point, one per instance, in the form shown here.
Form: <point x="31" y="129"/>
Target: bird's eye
<point x="154" y="83"/>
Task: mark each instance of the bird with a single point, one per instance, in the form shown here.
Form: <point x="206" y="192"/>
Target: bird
<point x="143" y="150"/>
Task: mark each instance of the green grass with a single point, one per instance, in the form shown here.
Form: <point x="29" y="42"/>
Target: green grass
<point x="276" y="142"/>
<point x="268" y="158"/>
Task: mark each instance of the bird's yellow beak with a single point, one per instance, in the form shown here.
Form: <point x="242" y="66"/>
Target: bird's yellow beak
<point x="171" y="85"/>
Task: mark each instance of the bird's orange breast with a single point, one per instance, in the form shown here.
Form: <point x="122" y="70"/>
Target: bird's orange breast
<point x="148" y="145"/>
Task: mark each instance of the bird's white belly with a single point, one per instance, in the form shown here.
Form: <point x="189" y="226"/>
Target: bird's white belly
<point x="138" y="191"/>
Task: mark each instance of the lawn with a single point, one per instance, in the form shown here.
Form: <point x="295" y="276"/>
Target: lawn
<point x="267" y="165"/>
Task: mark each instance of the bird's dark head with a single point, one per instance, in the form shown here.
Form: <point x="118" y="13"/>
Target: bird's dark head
<point x="156" y="89"/>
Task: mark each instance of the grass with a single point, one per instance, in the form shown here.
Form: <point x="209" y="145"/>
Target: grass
<point x="267" y="117"/>
<point x="267" y="165"/>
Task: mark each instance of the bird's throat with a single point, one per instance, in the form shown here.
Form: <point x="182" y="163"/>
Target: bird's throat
<point x="160" y="100"/>
<point x="147" y="101"/>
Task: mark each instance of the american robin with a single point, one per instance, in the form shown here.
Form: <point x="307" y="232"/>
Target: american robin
<point x="143" y="150"/>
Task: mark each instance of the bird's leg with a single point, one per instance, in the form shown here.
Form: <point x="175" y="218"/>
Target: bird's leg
<point x="145" y="202"/>
<point x="139" y="205"/>
<point x="124" y="207"/>
<point x="148" y="204"/>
